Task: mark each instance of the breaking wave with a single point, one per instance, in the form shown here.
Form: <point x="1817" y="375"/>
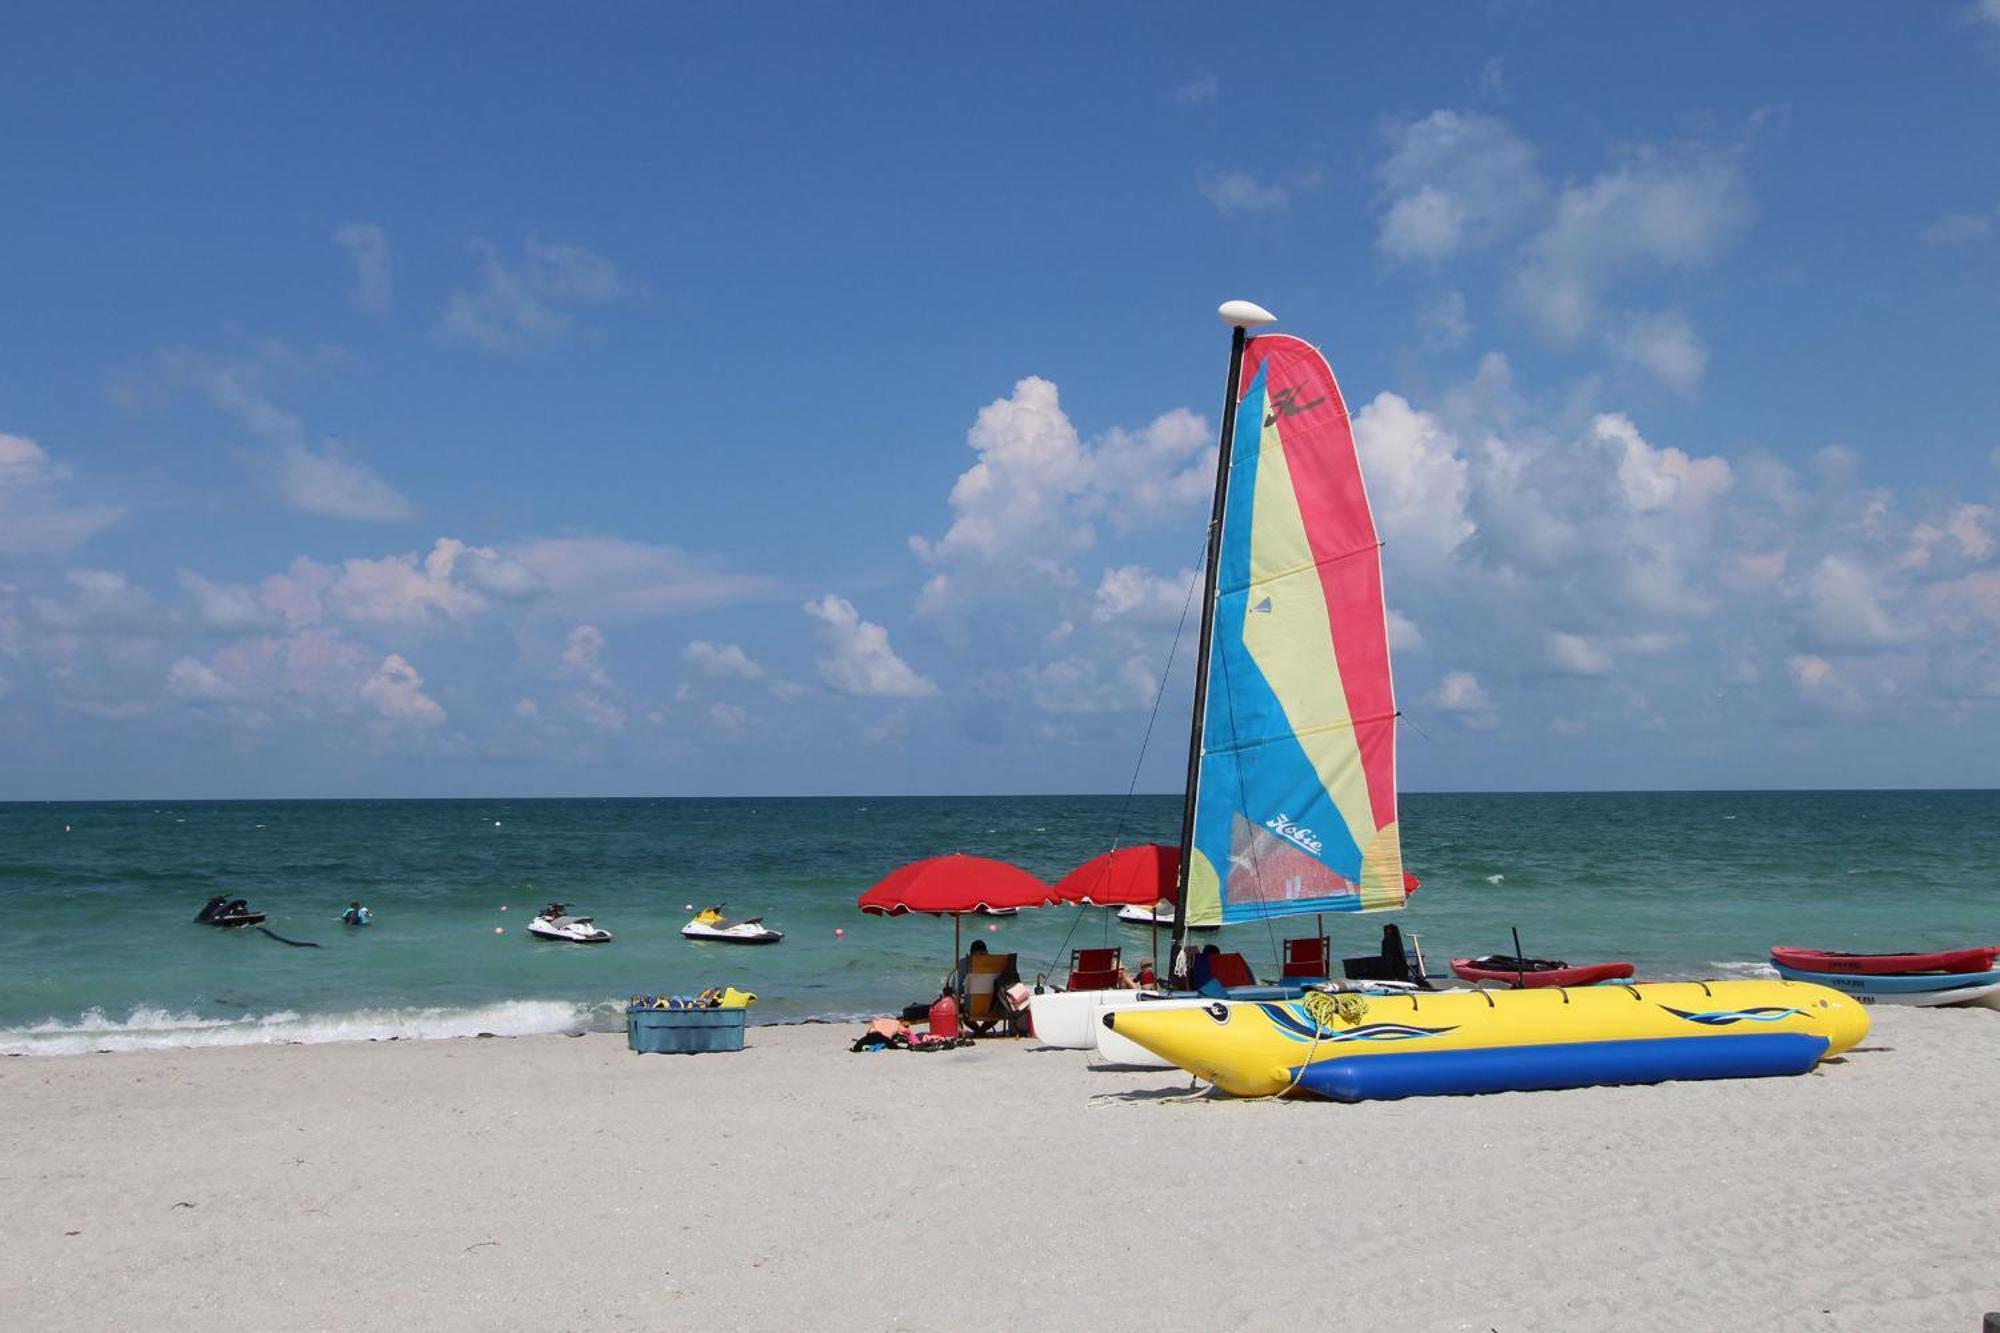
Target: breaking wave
<point x="1759" y="970"/>
<point x="150" y="1029"/>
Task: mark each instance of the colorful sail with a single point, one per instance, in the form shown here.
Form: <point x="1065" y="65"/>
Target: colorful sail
<point x="1296" y="795"/>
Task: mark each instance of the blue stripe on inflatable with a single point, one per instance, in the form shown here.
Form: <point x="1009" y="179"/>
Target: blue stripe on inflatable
<point x="1385" y="1077"/>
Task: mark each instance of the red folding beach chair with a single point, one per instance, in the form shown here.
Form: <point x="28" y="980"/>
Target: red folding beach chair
<point x="1307" y="958"/>
<point x="1093" y="969"/>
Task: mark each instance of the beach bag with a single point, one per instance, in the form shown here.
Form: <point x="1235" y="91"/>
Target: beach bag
<point x="1017" y="996"/>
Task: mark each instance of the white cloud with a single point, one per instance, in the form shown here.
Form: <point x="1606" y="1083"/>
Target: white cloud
<point x="721" y="661"/>
<point x="860" y="660"/>
<point x="1959" y="228"/>
<point x="1461" y="695"/>
<point x="1443" y="320"/>
<point x="1843" y="608"/>
<point x="99" y="601"/>
<point x="583" y="655"/>
<point x="1418" y="482"/>
<point x="1454" y="181"/>
<point x="367" y="247"/>
<point x="1665" y="346"/>
<point x="1201" y="90"/>
<point x="396" y="691"/>
<point x="729" y="719"/>
<point x="1660" y="208"/>
<point x="189" y="679"/>
<point x="609" y="578"/>
<point x="1984" y="11"/>
<point x="34" y="521"/>
<point x="1085" y="685"/>
<point x="1578" y="656"/>
<point x="1404" y="636"/>
<point x="1031" y="504"/>
<point x="524" y="302"/>
<point x="1819" y="681"/>
<point x="1129" y="593"/>
<point x="399" y="590"/>
<point x="1239" y="193"/>
<point x="225" y="608"/>
<point x="318" y="481"/>
<point x="326" y="482"/>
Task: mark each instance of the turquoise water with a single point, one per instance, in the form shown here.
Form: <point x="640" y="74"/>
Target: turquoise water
<point x="99" y="952"/>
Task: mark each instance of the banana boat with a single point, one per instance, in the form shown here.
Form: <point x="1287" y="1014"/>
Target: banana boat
<point x="1351" y="1048"/>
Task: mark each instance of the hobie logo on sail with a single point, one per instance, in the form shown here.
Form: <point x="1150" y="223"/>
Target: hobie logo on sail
<point x="1283" y="826"/>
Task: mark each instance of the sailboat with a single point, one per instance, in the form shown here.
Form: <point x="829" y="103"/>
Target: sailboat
<point x="1290" y="809"/>
<point x="1290" y="803"/>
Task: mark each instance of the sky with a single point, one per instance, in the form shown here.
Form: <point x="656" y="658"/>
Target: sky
<point x="435" y="400"/>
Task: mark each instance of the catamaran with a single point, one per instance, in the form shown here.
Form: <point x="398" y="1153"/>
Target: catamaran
<point x="1290" y="809"/>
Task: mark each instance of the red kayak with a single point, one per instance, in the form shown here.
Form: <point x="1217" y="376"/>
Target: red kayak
<point x="1535" y="972"/>
<point x="1887" y="964"/>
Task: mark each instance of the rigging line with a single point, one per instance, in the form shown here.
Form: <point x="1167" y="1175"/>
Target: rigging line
<point x="1159" y="694"/>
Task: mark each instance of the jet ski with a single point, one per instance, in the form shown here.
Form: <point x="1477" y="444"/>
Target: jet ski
<point x="555" y="923"/>
<point x="1159" y="914"/>
<point x="713" y="925"/>
<point x="227" y="912"/>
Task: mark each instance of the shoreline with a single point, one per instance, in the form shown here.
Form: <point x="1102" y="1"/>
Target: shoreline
<point x="553" y="1181"/>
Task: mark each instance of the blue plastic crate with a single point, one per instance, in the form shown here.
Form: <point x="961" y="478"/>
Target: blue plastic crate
<point x="684" y="1031"/>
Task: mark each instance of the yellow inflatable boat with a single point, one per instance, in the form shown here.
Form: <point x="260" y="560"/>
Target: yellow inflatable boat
<point x="1351" y="1048"/>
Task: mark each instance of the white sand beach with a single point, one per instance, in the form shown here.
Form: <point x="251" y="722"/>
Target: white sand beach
<point x="552" y="1182"/>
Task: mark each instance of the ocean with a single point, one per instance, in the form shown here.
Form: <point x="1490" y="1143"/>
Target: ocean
<point x="99" y="952"/>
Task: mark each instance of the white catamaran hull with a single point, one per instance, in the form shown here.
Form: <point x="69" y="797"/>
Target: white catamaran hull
<point x="1072" y="1019"/>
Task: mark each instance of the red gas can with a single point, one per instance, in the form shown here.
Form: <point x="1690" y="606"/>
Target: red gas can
<point x="944" y="1017"/>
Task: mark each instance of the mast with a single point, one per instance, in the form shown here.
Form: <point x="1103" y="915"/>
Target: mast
<point x="1240" y="316"/>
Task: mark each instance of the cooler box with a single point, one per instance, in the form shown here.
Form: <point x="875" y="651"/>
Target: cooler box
<point x="684" y="1031"/>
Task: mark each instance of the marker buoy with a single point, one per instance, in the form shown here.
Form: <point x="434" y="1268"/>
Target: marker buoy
<point x="993" y="927"/>
<point x="499" y="930"/>
<point x="839" y="934"/>
<point x="503" y="907"/>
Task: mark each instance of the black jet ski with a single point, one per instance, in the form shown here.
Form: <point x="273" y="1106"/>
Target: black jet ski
<point x="227" y="912"/>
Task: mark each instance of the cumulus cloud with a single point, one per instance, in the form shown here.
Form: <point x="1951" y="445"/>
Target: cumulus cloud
<point x="1461" y="695"/>
<point x="583" y="655"/>
<point x="1578" y="656"/>
<point x="721" y="661"/>
<point x="1454" y="181"/>
<point x="396" y="691"/>
<point x="1033" y="501"/>
<point x="1664" y="346"/>
<point x="189" y="679"/>
<point x="99" y="601"/>
<point x="327" y="482"/>
<point x="367" y="248"/>
<point x="35" y="521"/>
<point x="521" y="302"/>
<point x="1660" y="207"/>
<point x="1418" y="481"/>
<point x="224" y="608"/>
<point x="859" y="660"/>
<point x="1129" y="593"/>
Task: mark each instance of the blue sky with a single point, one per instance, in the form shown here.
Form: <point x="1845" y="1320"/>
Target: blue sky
<point x="434" y="400"/>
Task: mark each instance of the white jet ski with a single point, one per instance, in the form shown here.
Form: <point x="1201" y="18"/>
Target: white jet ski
<point x="713" y="925"/>
<point x="555" y="923"/>
<point x="1159" y="914"/>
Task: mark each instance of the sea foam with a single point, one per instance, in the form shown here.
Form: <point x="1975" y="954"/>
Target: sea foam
<point x="152" y="1029"/>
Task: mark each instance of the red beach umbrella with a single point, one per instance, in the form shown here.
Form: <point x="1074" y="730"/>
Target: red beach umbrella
<point x="953" y="886"/>
<point x="1128" y="877"/>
